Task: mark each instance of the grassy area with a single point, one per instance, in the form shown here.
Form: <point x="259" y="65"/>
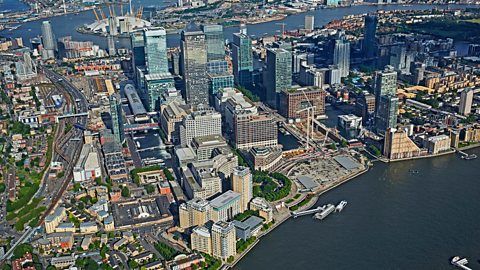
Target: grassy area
<point x="302" y="203"/>
<point x="166" y="251"/>
<point x="477" y="20"/>
<point x="246" y="214"/>
<point x="448" y="28"/>
<point x="267" y="188"/>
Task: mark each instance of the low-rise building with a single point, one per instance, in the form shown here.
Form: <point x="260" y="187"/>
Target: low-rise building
<point x="261" y="205"/>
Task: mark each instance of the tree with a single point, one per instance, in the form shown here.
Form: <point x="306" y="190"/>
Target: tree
<point x="133" y="264"/>
<point x="21" y="250"/>
<point x="125" y="192"/>
<point x="150" y="189"/>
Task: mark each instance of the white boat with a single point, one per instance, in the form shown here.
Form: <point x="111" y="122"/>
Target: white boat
<point x="340" y="206"/>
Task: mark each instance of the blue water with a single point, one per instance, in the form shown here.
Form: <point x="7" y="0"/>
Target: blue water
<point x="63" y="25"/>
<point x="12" y="6"/>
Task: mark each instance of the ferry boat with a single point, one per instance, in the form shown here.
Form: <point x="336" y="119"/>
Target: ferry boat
<point x="460" y="262"/>
<point x="340" y="206"/>
<point x="328" y="210"/>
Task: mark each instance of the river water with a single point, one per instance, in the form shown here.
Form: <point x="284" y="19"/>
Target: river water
<point x="66" y="25"/>
<point x="12" y="6"/>
<point x="394" y="219"/>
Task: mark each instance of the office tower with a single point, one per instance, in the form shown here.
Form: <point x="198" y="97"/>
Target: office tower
<point x="111" y="46"/>
<point x="175" y="59"/>
<point x="157" y="84"/>
<point x="254" y="130"/>
<point x="201" y="240"/>
<point x="466" y="99"/>
<point x="385" y="83"/>
<point x="156" y="50"/>
<point x="195" y="212"/>
<point x="341" y="55"/>
<point x="217" y="81"/>
<point x="194" y="65"/>
<point x="242" y="183"/>
<point x="369" y="39"/>
<point x="309" y="22"/>
<point x="386" y="115"/>
<point x="296" y="99"/>
<point x="278" y="74"/>
<point x="214" y="42"/>
<point x="48" y="41"/>
<point x="138" y="49"/>
<point x="117" y="117"/>
<point x="200" y="123"/>
<point x="242" y="59"/>
<point x="223" y="240"/>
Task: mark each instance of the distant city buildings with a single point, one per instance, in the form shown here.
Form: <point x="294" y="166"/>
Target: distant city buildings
<point x="341" y="55"/>
<point x="309" y="22"/>
<point x="369" y="36"/>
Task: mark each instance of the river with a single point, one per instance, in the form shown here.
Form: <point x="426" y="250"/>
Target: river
<point x="394" y="220"/>
<point x="12" y="6"/>
<point x="66" y="25"/>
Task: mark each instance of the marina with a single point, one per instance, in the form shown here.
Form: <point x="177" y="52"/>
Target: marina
<point x="321" y="212"/>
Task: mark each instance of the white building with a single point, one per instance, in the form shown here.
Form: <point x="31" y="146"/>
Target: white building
<point x="88" y="165"/>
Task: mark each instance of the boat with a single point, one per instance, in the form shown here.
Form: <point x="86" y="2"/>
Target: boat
<point x="340" y="206"/>
<point x="328" y="209"/>
<point x="469" y="157"/>
<point x="460" y="262"/>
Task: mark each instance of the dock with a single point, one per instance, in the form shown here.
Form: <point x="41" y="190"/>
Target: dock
<point x="308" y="212"/>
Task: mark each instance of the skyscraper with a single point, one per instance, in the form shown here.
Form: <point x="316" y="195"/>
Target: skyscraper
<point x="341" y="55"/>
<point x="155" y="40"/>
<point x="309" y="22"/>
<point x="111" y="46"/>
<point x="117" y="117"/>
<point x="223" y="240"/>
<point x="369" y="40"/>
<point x="138" y="49"/>
<point x="194" y="65"/>
<point x="242" y="183"/>
<point x="466" y="99"/>
<point x="386" y="116"/>
<point x="278" y="75"/>
<point x="242" y="59"/>
<point x="48" y="40"/>
<point x="214" y="42"/>
<point x="385" y="83"/>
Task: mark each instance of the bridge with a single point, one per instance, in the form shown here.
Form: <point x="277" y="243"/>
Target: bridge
<point x="140" y="127"/>
<point x="308" y="212"/>
<point x="70" y="115"/>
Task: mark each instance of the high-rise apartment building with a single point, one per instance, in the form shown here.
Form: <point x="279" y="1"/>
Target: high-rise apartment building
<point x="242" y="182"/>
<point x="201" y="240"/>
<point x="242" y="59"/>
<point x="278" y="74"/>
<point x="48" y="41"/>
<point x="385" y="83"/>
<point x="155" y="40"/>
<point x="466" y="99"/>
<point x="387" y="112"/>
<point x="223" y="240"/>
<point x="194" y="65"/>
<point x="195" y="212"/>
<point x="341" y="55"/>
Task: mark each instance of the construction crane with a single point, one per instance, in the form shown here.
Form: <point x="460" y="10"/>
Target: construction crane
<point x="102" y="14"/>
<point x="110" y="10"/>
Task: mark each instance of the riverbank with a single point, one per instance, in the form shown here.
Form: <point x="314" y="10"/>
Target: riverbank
<point x="285" y="213"/>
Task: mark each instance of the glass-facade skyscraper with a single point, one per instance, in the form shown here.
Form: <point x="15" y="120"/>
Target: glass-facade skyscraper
<point x="138" y="49"/>
<point x="385" y="83"/>
<point x="278" y="76"/>
<point x="194" y="65"/>
<point x="155" y="40"/>
<point x="242" y="59"/>
<point x="214" y="42"/>
<point x="387" y="112"/>
<point x="117" y="117"/>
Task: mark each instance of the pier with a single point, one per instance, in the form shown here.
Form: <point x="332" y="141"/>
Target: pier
<point x="308" y="212"/>
<point x="460" y="263"/>
<point x="466" y="156"/>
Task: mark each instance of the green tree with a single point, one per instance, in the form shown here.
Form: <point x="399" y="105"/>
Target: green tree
<point x="133" y="264"/>
<point x="125" y="192"/>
